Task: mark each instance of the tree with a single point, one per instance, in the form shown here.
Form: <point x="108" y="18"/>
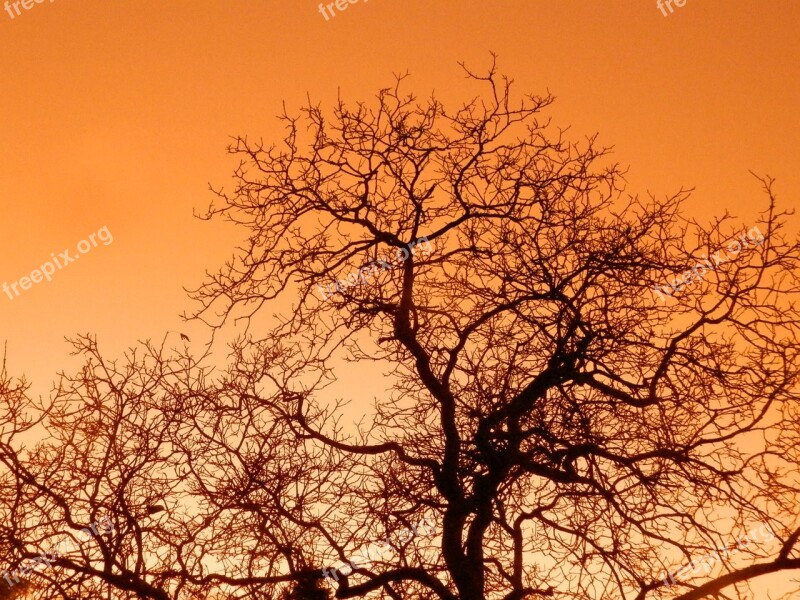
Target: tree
<point x="571" y="434"/>
<point x="306" y="589"/>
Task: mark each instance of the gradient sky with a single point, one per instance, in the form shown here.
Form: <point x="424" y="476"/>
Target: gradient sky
<point x="117" y="114"/>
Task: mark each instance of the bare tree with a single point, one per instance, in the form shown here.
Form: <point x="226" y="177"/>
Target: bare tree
<point x="537" y="382"/>
<point x="570" y="433"/>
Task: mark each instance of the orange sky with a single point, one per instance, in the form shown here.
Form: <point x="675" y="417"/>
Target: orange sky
<point x="117" y="114"/>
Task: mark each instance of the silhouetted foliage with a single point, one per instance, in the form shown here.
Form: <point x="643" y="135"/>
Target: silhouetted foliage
<point x="16" y="592"/>
<point x="307" y="589"/>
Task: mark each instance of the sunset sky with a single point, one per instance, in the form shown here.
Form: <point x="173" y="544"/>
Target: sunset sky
<point x="117" y="115"/>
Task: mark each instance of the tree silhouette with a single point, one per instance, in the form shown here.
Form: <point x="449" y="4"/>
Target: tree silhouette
<point x="306" y="589"/>
<point x="571" y="434"/>
<point x="19" y="591"/>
